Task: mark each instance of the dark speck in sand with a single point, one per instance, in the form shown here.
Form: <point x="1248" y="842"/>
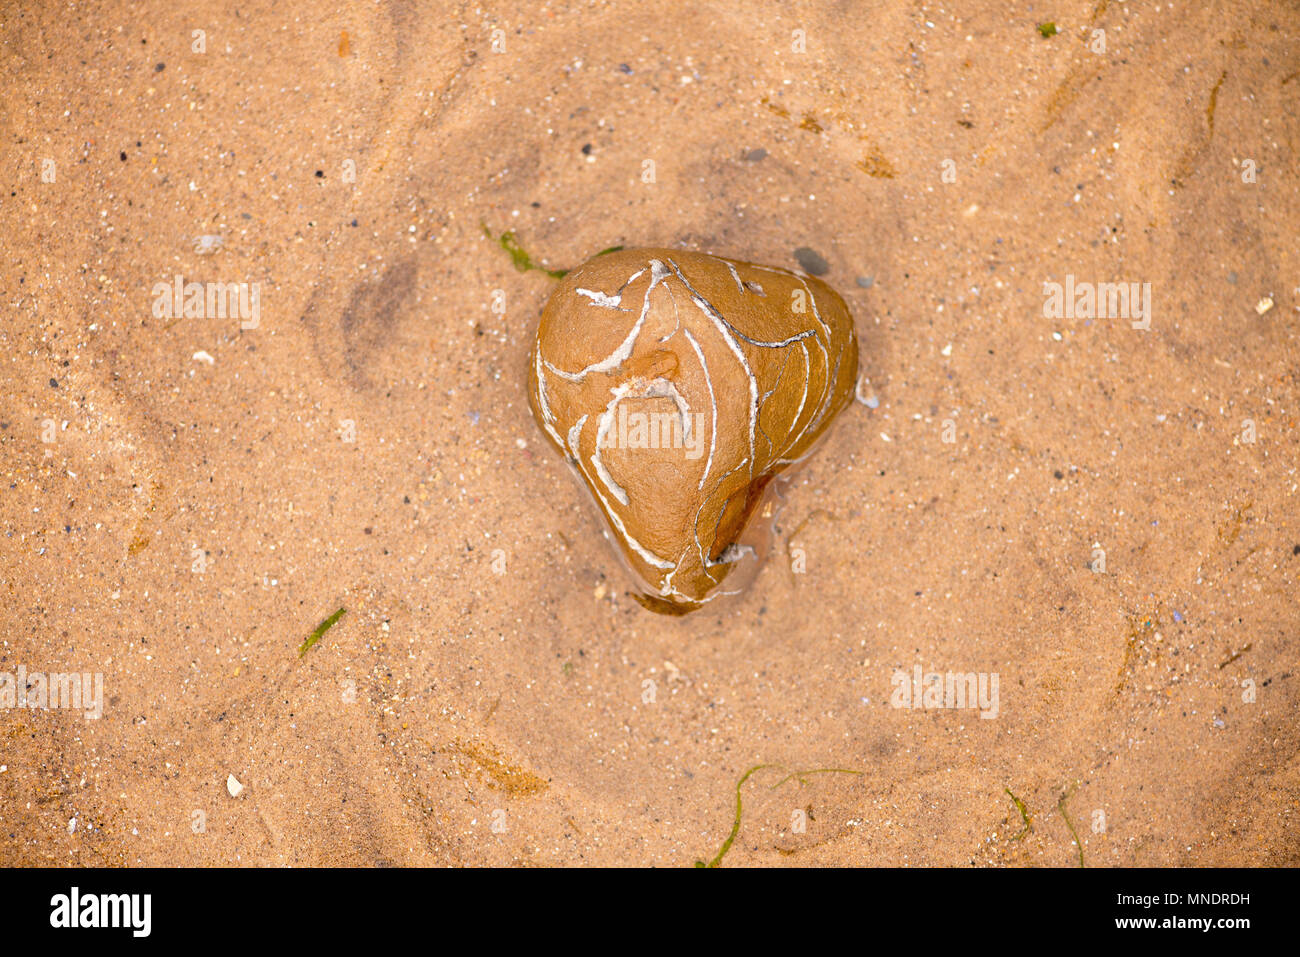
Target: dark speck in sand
<point x="755" y="155"/>
<point x="624" y="68"/>
<point x="54" y="383"/>
<point x="159" y="67"/>
<point x="811" y="261"/>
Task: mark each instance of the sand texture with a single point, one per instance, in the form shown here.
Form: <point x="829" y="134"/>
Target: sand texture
<point x="1094" y="506"/>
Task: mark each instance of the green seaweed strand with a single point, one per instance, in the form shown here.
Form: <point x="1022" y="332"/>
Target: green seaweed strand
<point x="800" y="775"/>
<point x="315" y="636"/>
<point x="735" y="825"/>
<point x="1060" y="806"/>
<point x="1024" y="813"/>
<point x="523" y="262"/>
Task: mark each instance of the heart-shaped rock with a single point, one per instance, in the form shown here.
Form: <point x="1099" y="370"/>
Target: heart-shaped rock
<point x="679" y="385"/>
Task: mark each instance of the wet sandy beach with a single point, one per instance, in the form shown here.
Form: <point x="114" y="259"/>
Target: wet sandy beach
<point x="1091" y="509"/>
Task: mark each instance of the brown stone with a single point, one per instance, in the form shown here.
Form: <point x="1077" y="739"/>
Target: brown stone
<point x="680" y="385"/>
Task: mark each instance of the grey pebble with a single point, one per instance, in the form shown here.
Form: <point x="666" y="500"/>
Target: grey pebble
<point x="866" y="282"/>
<point x="811" y="261"/>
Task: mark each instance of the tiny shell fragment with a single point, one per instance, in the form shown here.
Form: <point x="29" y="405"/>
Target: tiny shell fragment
<point x="679" y="385"/>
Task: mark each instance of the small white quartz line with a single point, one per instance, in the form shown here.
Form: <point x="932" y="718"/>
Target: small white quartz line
<point x="704" y="558"/>
<point x="602" y="430"/>
<point x="713" y="404"/>
<point x="792" y="439"/>
<point x="795" y="461"/>
<point x="713" y="312"/>
<point x="656" y="388"/>
<point x="628" y="281"/>
<point x="575" y="432"/>
<point x="807" y="371"/>
<point x="541" y="386"/>
<point x="827" y="387"/>
<point x="548" y="417"/>
<point x="698" y="601"/>
<point x="762" y="400"/>
<point x="602" y="300"/>
<point x="722" y="327"/>
<point x="830" y="381"/>
<point x="744" y="287"/>
<point x="735" y="275"/>
<point x="667" y="588"/>
<point x="812" y="298"/>
<point x="661" y="388"/>
<point x="708" y="598"/>
<point x="677" y="315"/>
<point x="621" y="354"/>
<point x="648" y="556"/>
<point x="727" y="330"/>
<point x="779" y="270"/>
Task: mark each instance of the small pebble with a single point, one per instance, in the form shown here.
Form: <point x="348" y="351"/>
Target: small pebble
<point x="755" y="155"/>
<point x="233" y="786"/>
<point x="866" y="282"/>
<point x="811" y="261"/>
<point x="869" y="399"/>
